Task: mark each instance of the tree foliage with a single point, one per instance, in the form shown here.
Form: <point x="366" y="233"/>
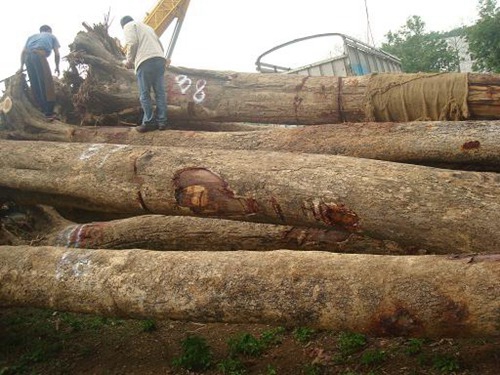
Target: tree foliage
<point x="484" y="37"/>
<point x="420" y="51"/>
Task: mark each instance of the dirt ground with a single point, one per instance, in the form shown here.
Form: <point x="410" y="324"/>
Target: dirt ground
<point x="34" y="341"/>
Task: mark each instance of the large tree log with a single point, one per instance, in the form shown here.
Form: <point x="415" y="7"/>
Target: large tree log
<point x="423" y="296"/>
<point x="427" y="207"/>
<point x="293" y="99"/>
<point x="109" y="89"/>
<point x="290" y="99"/>
<point x="468" y="144"/>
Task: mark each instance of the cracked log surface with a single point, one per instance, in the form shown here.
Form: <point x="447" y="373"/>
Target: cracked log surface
<point x="422" y="296"/>
<point x="439" y="210"/>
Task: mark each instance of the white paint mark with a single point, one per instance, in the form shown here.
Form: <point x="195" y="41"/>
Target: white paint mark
<point x="114" y="149"/>
<point x="199" y="95"/>
<point x="72" y="265"/>
<point x="94" y="150"/>
<point x="184" y="83"/>
<point x="91" y="151"/>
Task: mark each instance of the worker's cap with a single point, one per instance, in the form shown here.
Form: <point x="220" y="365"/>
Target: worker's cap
<point x="125" y="20"/>
<point x="45" y="29"/>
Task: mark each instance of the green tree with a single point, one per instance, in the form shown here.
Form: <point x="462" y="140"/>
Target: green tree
<point x="420" y="51"/>
<point x="484" y="37"/>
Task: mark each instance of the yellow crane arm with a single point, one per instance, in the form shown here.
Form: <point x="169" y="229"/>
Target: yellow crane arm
<point x="162" y="16"/>
<point x="164" y="13"/>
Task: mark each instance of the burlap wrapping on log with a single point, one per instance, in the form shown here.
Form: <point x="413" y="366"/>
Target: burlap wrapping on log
<point x="417" y="97"/>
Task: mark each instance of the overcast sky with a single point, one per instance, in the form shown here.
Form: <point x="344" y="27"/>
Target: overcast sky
<point x="228" y="34"/>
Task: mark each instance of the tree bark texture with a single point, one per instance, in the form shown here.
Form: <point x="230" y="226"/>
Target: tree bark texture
<point x="157" y="232"/>
<point x="423" y="296"/>
<point x="472" y="145"/>
<point x="436" y="209"/>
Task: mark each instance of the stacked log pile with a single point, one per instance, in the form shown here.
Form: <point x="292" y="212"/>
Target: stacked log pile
<point x="364" y="203"/>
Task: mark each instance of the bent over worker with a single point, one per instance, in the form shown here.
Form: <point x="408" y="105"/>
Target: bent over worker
<point x="145" y="53"/>
<point x="35" y="53"/>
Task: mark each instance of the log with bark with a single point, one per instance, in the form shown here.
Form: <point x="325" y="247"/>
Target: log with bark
<point x="44" y="226"/>
<point x="286" y="99"/>
<point x="109" y="89"/>
<point x="436" y="209"/>
<point x="157" y="232"/>
<point x="423" y="296"/>
<point x="471" y="145"/>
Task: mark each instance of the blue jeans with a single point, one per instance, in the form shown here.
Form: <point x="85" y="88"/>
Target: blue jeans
<point x="150" y="75"/>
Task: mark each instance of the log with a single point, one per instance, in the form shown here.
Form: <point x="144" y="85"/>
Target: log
<point x="109" y="89"/>
<point x="471" y="145"/>
<point x="416" y="296"/>
<point x="280" y="98"/>
<point x="290" y="99"/>
<point x="419" y="206"/>
<point x="157" y="232"/>
<point x="294" y="99"/>
<point x="44" y="226"/>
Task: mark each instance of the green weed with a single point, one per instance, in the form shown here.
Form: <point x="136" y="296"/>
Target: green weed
<point x="271" y="370"/>
<point x="445" y="363"/>
<point x="95" y="323"/>
<point x="350" y="342"/>
<point x="196" y="354"/>
<point x="273" y="336"/>
<point x="148" y="325"/>
<point x="247" y="344"/>
<point x="231" y="366"/>
<point x="373" y="357"/>
<point x="414" y="346"/>
<point x="303" y="334"/>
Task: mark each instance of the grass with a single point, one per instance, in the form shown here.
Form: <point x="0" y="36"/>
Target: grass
<point x="148" y="325"/>
<point x="373" y="357"/>
<point x="414" y="346"/>
<point x="231" y="366"/>
<point x="445" y="363"/>
<point x="350" y="342"/>
<point x="246" y="344"/>
<point x="196" y="354"/>
<point x="39" y="341"/>
<point x="303" y="334"/>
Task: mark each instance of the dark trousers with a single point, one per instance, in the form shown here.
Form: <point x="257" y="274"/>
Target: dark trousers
<point x="41" y="82"/>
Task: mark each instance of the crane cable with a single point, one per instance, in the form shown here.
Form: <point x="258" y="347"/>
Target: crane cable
<point x="369" y="34"/>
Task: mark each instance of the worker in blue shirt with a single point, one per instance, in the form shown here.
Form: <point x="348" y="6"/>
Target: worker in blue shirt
<point x="35" y="53"/>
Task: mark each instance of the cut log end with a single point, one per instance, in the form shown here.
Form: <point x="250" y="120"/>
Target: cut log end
<point x="6" y="105"/>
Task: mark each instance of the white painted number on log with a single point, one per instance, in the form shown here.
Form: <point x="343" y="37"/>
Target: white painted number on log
<point x="185" y="83"/>
<point x="199" y="95"/>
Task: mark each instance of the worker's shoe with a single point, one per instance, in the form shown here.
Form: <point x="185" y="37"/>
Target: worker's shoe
<point x="146" y="127"/>
<point x="163" y="126"/>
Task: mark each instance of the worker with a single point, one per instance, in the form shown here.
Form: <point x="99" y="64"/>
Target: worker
<point x="35" y="53"/>
<point x="145" y="54"/>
